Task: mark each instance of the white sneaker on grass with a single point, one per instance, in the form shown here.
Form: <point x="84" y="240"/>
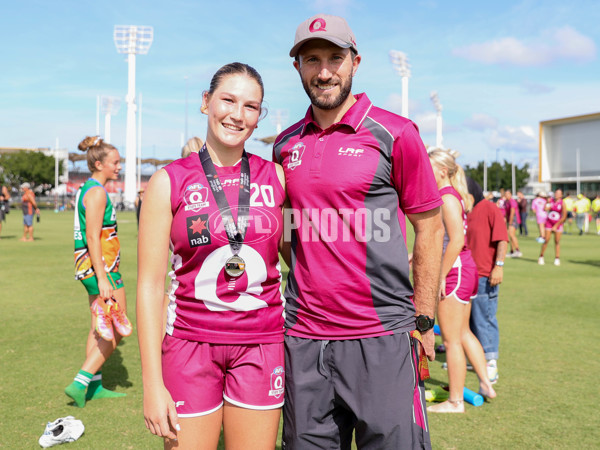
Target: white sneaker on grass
<point x="492" y="370"/>
<point x="541" y="261"/>
<point x="557" y="262"/>
<point x="64" y="429"/>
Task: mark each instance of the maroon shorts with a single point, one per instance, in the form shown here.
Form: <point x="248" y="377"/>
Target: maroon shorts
<point x="199" y="375"/>
<point x="462" y="281"/>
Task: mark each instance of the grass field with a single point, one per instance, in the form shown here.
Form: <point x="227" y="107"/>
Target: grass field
<point x="547" y="391"/>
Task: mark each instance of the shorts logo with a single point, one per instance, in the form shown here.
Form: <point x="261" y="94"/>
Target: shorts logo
<point x="197" y="230"/>
<point x="358" y="152"/>
<point x="179" y="403"/>
<point x="277" y="378"/>
<point x="318" y="25"/>
<point x="296" y="155"/>
<point x="195" y="197"/>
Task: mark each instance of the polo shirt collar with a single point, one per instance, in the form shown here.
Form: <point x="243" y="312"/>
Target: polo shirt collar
<point x="353" y="118"/>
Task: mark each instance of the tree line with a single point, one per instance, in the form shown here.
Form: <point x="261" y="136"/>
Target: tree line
<point x="499" y="176"/>
<point x="37" y="168"/>
<point x="23" y="166"/>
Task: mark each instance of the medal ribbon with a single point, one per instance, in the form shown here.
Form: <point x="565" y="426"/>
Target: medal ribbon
<point x="423" y="362"/>
<point x="235" y="232"/>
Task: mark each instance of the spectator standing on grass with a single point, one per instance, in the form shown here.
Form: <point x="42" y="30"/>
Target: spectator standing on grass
<point x="538" y="206"/>
<point x="582" y="210"/>
<point x="513" y="220"/>
<point x="4" y="204"/>
<point x="523" y="206"/>
<point x="29" y="207"/>
<point x="596" y="210"/>
<point x="501" y="203"/>
<point x="351" y="311"/>
<point x="557" y="214"/>
<point x="488" y="240"/>
<point x="138" y="204"/>
<point x="220" y="364"/>
<point x="97" y="261"/>
<point x="569" y="203"/>
<point x="458" y="286"/>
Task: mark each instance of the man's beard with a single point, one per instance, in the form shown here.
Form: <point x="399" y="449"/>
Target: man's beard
<point x="328" y="103"/>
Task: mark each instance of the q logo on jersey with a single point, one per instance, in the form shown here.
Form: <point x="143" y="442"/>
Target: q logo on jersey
<point x="277" y="384"/>
<point x="554" y="216"/>
<point x="198" y="231"/>
<point x="195" y="197"/>
<point x="296" y="155"/>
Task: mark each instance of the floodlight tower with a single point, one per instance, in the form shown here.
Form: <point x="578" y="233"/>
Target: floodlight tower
<point x="400" y="62"/>
<point x="131" y="40"/>
<point x="110" y="107"/>
<point x="438" y="122"/>
<point x="279" y="118"/>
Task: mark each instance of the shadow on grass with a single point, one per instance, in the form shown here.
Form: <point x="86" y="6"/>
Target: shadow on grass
<point x="589" y="262"/>
<point x="114" y="372"/>
<point x="529" y="260"/>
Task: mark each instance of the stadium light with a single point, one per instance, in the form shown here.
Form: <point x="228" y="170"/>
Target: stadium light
<point x="185" y="136"/>
<point x="110" y="107"/>
<point x="131" y="40"/>
<point x="438" y="122"/>
<point x="400" y="62"/>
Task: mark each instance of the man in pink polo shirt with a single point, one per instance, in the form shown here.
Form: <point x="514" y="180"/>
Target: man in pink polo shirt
<point x="354" y="173"/>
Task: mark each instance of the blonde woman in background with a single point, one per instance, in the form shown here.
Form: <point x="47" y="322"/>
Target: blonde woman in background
<point x="193" y="145"/>
<point x="459" y="284"/>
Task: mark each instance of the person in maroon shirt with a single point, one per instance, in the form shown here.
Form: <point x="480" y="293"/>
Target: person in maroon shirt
<point x="355" y="173"/>
<point x="513" y="221"/>
<point x="488" y="240"/>
<point x="523" y="205"/>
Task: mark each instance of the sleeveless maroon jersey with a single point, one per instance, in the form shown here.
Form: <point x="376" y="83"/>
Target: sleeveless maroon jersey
<point x="555" y="213"/>
<point x="449" y="190"/>
<point x="206" y="304"/>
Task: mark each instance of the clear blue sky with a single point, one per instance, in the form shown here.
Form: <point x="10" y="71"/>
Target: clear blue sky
<point x="499" y="67"/>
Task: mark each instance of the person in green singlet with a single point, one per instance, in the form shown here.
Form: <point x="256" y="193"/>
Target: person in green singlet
<point x="97" y="258"/>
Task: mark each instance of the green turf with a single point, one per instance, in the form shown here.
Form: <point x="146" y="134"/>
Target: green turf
<point x="547" y="392"/>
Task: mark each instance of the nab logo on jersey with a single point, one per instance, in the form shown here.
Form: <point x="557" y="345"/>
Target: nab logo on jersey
<point x="296" y="155"/>
<point x="195" y="197"/>
<point x="358" y="152"/>
<point x="197" y="230"/>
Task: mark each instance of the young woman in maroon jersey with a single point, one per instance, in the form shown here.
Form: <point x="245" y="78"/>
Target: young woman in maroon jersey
<point x="220" y="212"/>
<point x="458" y="286"/>
<point x="557" y="214"/>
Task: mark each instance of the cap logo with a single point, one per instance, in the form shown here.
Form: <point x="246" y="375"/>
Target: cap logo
<point x="317" y="25"/>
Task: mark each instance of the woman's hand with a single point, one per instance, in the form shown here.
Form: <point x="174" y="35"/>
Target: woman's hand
<point x="160" y="414"/>
<point x="105" y="288"/>
<point x="443" y="289"/>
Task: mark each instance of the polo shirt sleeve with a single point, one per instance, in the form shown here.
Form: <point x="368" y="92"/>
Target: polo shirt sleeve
<point x="412" y="175"/>
<point x="498" y="225"/>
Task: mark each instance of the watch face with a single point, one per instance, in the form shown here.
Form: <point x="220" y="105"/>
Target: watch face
<point x="423" y="323"/>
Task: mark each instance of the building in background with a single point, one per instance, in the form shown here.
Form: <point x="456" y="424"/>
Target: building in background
<point x="570" y="154"/>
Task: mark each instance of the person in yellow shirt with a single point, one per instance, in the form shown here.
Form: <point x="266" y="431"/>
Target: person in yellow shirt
<point x="582" y="207"/>
<point x="596" y="209"/>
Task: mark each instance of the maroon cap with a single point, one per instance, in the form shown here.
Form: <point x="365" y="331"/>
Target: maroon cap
<point x="323" y="26"/>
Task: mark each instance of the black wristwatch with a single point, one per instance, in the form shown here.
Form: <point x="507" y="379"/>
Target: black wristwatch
<point x="424" y="323"/>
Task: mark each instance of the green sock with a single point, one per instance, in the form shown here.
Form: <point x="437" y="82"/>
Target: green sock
<point x="76" y="390"/>
<point x="96" y="390"/>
